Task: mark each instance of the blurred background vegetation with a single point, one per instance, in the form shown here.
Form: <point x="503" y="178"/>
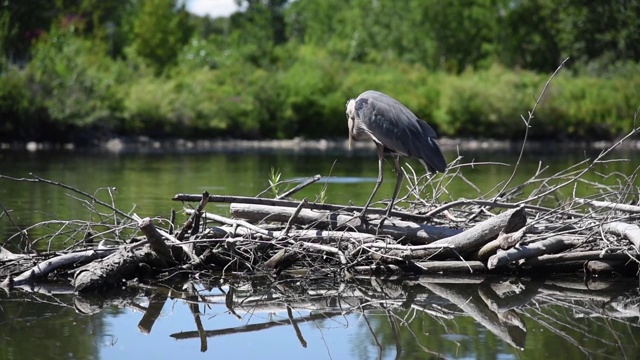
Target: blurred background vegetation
<point x="86" y="70"/>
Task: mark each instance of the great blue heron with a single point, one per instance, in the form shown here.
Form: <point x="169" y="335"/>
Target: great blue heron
<point x="395" y="130"/>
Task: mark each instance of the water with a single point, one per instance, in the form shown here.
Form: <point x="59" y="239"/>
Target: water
<point x="438" y="317"/>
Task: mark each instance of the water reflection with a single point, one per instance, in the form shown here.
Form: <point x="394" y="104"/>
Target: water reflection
<point x="421" y="317"/>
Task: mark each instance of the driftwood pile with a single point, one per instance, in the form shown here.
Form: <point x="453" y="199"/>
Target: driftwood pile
<point x="506" y="234"/>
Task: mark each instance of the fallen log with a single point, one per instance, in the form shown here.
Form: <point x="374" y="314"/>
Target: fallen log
<point x="610" y="205"/>
<point x="481" y="233"/>
<point x="504" y="241"/>
<point x="406" y="232"/>
<point x="552" y="245"/>
<point x="321" y="219"/>
<point x="129" y="262"/>
<point x="110" y="272"/>
<point x="156" y="241"/>
<point x="290" y="203"/>
<point x="460" y="244"/>
<point x="603" y="267"/>
<point x="629" y="231"/>
<point x="575" y="256"/>
<point x="46" y="267"/>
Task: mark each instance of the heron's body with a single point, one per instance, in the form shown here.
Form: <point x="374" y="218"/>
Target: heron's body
<point x="395" y="130"/>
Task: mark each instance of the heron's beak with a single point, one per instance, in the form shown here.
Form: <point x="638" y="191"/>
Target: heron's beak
<point x="350" y="126"/>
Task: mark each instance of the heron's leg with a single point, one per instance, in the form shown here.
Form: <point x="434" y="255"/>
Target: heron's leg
<point x="378" y="182"/>
<point x="398" y="184"/>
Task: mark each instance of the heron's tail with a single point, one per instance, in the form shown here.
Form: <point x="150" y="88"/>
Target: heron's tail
<point x="430" y="154"/>
<point x="432" y="158"/>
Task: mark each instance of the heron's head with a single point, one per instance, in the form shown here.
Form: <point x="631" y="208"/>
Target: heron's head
<point x="351" y="114"/>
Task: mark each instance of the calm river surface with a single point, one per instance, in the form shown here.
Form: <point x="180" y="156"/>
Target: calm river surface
<point x="434" y="317"/>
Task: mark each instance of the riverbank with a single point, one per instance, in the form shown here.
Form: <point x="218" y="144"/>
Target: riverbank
<point x="145" y="144"/>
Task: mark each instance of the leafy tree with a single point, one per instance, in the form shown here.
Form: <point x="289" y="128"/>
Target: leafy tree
<point x="24" y="25"/>
<point x="530" y="36"/>
<point x="160" y="30"/>
<point x="593" y="29"/>
<point x="273" y="10"/>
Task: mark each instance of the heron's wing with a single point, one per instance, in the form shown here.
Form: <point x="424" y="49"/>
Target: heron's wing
<point x="398" y="129"/>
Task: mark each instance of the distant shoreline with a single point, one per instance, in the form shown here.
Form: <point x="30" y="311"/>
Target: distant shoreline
<point x="144" y="144"/>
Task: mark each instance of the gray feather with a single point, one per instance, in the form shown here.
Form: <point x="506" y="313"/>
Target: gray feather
<point x="398" y="129"/>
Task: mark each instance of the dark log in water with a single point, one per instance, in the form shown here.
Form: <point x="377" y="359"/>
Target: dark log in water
<point x="46" y="267"/>
<point x="113" y="270"/>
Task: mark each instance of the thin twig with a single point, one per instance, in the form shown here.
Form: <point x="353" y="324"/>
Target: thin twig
<point x="527" y="124"/>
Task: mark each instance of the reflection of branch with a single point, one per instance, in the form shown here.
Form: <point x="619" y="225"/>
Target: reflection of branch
<point x="228" y="302"/>
<point x="293" y="322"/>
<point x="156" y="303"/>
<point x="396" y="333"/>
<point x="496" y="304"/>
<point x="473" y="306"/>
<point x="195" y="311"/>
<point x="502" y="304"/>
<point x="373" y="335"/>
<point x="562" y="334"/>
<point x="253" y="327"/>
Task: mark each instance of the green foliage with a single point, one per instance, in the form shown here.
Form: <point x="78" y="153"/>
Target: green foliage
<point x="281" y="69"/>
<point x="4" y="35"/>
<point x="592" y="107"/>
<point x="577" y="106"/>
<point x="74" y="81"/>
<point x="477" y="103"/>
<point x="19" y="114"/>
<point x="160" y="30"/>
<point x="311" y="103"/>
<point x="68" y="85"/>
<point x="194" y="103"/>
<point x="274" y="181"/>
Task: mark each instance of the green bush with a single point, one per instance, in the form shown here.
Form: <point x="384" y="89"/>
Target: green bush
<point x="486" y="102"/>
<point x="71" y="85"/>
<point x="490" y="103"/>
<point x="311" y="105"/>
<point x="21" y="115"/>
<point x="591" y="107"/>
<point x="75" y="82"/>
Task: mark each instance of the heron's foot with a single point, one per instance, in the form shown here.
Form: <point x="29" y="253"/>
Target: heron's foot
<point x="381" y="223"/>
<point x="367" y="223"/>
<point x="363" y="220"/>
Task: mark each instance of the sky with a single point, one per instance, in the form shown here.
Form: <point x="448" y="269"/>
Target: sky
<point x="213" y="8"/>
